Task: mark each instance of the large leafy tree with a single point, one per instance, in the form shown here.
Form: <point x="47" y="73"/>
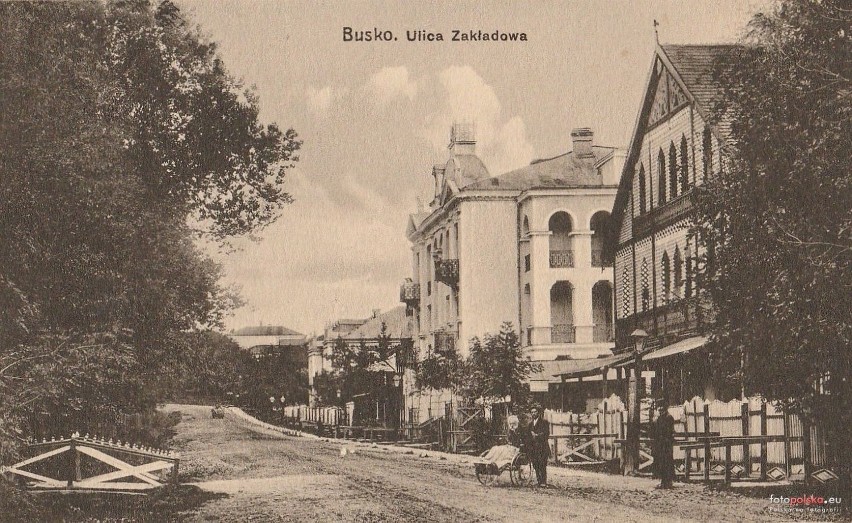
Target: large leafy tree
<point x="122" y="139"/>
<point x="778" y="220"/>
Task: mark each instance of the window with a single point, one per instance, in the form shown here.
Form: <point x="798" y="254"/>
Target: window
<point x="688" y="291"/>
<point x="673" y="181"/>
<point x="667" y="277"/>
<point x="661" y="177"/>
<point x="707" y="151"/>
<point x="625" y="292"/>
<point x="646" y="296"/>
<point x="684" y="165"/>
<point x="643" y="195"/>
<point x="678" y="271"/>
<point x="527" y="263"/>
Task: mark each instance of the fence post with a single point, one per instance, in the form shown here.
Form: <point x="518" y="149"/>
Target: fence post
<point x="763" y="445"/>
<point x="806" y="450"/>
<point x="787" y="450"/>
<point x="707" y="442"/>
<point x="73" y="463"/>
<point x="746" y="447"/>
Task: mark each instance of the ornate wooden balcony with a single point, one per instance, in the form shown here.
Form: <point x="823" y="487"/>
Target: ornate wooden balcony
<point x="561" y="259"/>
<point x="563" y="333"/>
<point x="675" y="320"/>
<point x="664" y="215"/>
<point x="447" y="271"/>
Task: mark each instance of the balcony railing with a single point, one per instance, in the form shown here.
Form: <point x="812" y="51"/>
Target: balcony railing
<point x="445" y="341"/>
<point x="561" y="259"/>
<point x="602" y="334"/>
<point x="447" y="271"/>
<point x="409" y="293"/>
<point x="664" y="215"/>
<point x="600" y="259"/>
<point x="675" y="320"/>
<point x="563" y="333"/>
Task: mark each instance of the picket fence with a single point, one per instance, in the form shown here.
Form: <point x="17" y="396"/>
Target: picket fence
<point x="584" y="438"/>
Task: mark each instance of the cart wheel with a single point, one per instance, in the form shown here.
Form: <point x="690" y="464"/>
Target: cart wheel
<point x="484" y="475"/>
<point x="521" y="472"/>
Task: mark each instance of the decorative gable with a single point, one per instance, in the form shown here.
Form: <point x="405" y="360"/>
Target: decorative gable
<point x="668" y="98"/>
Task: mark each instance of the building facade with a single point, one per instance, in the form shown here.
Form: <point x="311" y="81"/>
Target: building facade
<point x="527" y="247"/>
<point x="674" y="148"/>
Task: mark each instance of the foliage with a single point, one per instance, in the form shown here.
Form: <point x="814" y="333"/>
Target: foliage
<point x="123" y="139"/>
<point x="361" y="369"/>
<point x="777" y="221"/>
<point x="497" y="367"/>
<point x="439" y="370"/>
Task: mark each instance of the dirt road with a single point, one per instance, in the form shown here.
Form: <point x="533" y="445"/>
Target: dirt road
<point x="269" y="477"/>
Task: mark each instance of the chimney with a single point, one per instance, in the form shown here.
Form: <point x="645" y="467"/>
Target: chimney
<point x="463" y="139"/>
<point x="583" y="141"/>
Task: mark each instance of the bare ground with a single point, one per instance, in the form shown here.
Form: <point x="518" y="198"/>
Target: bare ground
<point x="270" y="477"/>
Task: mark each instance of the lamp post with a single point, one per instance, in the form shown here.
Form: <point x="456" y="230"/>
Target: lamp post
<point x="397" y="383"/>
<point x="631" y="454"/>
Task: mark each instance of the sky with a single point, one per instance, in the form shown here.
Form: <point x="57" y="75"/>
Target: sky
<point x="375" y="116"/>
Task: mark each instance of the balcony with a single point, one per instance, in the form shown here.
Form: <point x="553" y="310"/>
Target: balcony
<point x="447" y="271"/>
<point x="445" y="341"/>
<point x="600" y="258"/>
<point x="664" y="215"/>
<point x="561" y="259"/>
<point x="603" y="334"/>
<point x="409" y="293"/>
<point x="563" y="333"/>
<point x="674" y="320"/>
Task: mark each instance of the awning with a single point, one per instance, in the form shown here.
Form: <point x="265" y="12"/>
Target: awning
<point x="588" y="366"/>
<point x="679" y="347"/>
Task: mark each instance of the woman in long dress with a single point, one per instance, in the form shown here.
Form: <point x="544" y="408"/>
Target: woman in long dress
<point x="502" y="455"/>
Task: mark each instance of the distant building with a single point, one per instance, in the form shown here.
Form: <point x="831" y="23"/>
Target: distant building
<point x="526" y="247"/>
<point x="262" y="339"/>
<point x="354" y="333"/>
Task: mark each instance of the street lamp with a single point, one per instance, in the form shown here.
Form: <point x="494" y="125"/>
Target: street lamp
<point x="631" y="455"/>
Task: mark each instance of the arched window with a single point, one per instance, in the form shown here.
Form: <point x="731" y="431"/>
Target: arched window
<point x="684" y="165"/>
<point x="561" y="252"/>
<point x="603" y="242"/>
<point x="525" y="228"/>
<point x="673" y="181"/>
<point x="646" y="295"/>
<point x="707" y="151"/>
<point x="643" y="194"/>
<point x="661" y="177"/>
<point x="667" y="277"/>
<point x="678" y="271"/>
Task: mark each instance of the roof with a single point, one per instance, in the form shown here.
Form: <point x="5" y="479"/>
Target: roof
<point x="565" y="170"/>
<point x="266" y="330"/>
<point x="466" y="169"/>
<point x="679" y="347"/>
<point x="695" y="64"/>
<point x="395" y="320"/>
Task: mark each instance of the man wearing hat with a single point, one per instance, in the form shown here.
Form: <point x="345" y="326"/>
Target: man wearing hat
<point x="664" y="444"/>
<point x="539" y="447"/>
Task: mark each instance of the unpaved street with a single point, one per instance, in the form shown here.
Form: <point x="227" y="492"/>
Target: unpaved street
<point x="267" y="477"/>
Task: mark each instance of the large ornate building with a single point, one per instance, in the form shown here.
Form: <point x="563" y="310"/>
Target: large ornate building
<point x="527" y="247"/>
<point x="674" y="147"/>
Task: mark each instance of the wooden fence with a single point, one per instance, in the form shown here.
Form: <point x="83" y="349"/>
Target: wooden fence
<point x="591" y="437"/>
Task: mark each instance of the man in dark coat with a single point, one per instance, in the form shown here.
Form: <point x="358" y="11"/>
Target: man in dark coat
<point x="539" y="446"/>
<point x="664" y="445"/>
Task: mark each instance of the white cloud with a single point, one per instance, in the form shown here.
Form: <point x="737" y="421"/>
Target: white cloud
<point x="320" y="100"/>
<point x="391" y="82"/>
<point x="501" y="143"/>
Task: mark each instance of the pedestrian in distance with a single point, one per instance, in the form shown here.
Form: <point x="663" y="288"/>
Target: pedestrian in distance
<point x="539" y="446"/>
<point x="664" y="445"/>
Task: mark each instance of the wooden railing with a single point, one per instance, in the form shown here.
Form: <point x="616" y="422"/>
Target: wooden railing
<point x="664" y="215"/>
<point x="603" y="333"/>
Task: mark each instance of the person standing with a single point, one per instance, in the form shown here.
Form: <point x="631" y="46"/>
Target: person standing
<point x="664" y="445"/>
<point x="539" y="447"/>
